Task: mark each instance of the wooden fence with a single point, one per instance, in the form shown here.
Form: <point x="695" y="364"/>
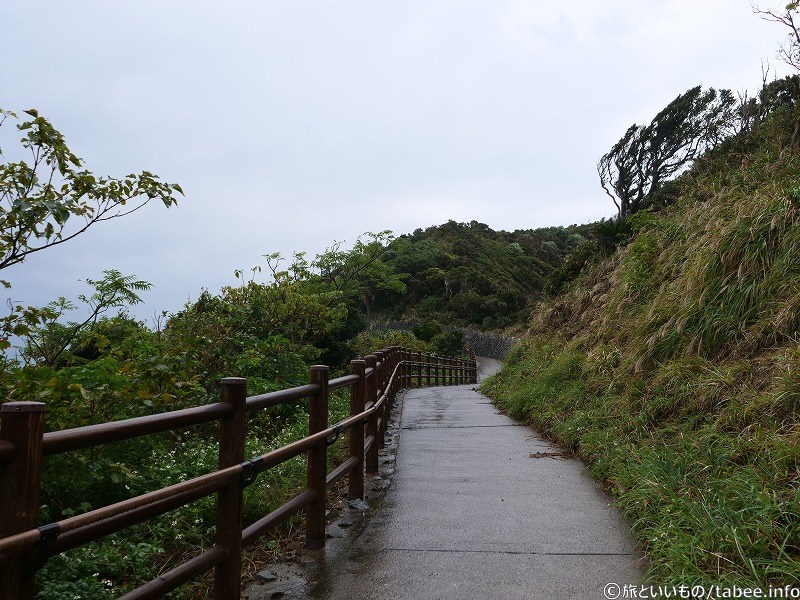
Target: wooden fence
<point x="374" y="382"/>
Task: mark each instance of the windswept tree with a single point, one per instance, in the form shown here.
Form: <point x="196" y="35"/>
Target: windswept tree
<point x="621" y="171"/>
<point x="649" y="155"/>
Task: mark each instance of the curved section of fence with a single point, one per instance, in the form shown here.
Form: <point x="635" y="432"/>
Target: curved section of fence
<point x="374" y="383"/>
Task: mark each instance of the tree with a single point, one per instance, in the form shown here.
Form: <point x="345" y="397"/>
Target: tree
<point x="789" y="51"/>
<point x="47" y="342"/>
<point x="40" y="197"/>
<point x="49" y="199"/>
<point x="264" y="332"/>
<point x="621" y="171"/>
<point x="648" y="155"/>
<point x="359" y="272"/>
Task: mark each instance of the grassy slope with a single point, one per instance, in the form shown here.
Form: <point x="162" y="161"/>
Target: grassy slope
<point x="673" y="369"/>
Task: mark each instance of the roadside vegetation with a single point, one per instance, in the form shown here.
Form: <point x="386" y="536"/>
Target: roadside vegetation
<point x="667" y="354"/>
<point x="90" y="362"/>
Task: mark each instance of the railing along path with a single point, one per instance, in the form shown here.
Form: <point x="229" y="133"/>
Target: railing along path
<point x="374" y="382"/>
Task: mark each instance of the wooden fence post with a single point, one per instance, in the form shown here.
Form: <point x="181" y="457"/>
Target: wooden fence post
<point x="372" y="454"/>
<point x="394" y="361"/>
<point x="398" y="363"/>
<point x="418" y="368"/>
<point x="400" y="368"/>
<point x="358" y="398"/>
<point x="407" y="368"/>
<point x="392" y="387"/>
<point x="20" y="484"/>
<point x="379" y="370"/>
<point x="398" y="358"/>
<point x="228" y="573"/>
<point x="380" y="384"/>
<point x="394" y="353"/>
<point x="387" y="407"/>
<point x="317" y="459"/>
<point x="427" y="370"/>
<point x="401" y="357"/>
<point x="385" y="370"/>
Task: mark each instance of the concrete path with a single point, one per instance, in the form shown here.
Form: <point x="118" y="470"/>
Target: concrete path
<point x="479" y="507"/>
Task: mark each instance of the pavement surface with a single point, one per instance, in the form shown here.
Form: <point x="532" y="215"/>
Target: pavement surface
<point x="469" y="504"/>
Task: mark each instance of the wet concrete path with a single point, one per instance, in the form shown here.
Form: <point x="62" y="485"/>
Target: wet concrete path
<point x="479" y="507"/>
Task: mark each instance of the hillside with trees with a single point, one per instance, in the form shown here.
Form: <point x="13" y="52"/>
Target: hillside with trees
<point x="468" y="274"/>
<point x="667" y="355"/>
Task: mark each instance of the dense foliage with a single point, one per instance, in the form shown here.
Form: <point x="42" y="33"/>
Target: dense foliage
<point x="468" y="274"/>
<point x="105" y="366"/>
<point x="113" y="367"/>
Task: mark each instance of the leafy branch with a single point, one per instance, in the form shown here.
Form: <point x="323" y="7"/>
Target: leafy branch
<point x="47" y="342"/>
<point x="41" y="195"/>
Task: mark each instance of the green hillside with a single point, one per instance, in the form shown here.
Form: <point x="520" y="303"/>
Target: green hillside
<point x="469" y="274"/>
<point x="672" y="365"/>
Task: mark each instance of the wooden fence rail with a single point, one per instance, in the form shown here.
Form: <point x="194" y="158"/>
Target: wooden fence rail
<point x="374" y="382"/>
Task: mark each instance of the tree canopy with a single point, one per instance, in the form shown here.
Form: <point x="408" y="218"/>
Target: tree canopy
<point x="359" y="273"/>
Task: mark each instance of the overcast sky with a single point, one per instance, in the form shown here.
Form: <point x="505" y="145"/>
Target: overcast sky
<point x="292" y="124"/>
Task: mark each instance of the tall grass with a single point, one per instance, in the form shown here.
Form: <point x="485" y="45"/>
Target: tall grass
<point x="673" y="368"/>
